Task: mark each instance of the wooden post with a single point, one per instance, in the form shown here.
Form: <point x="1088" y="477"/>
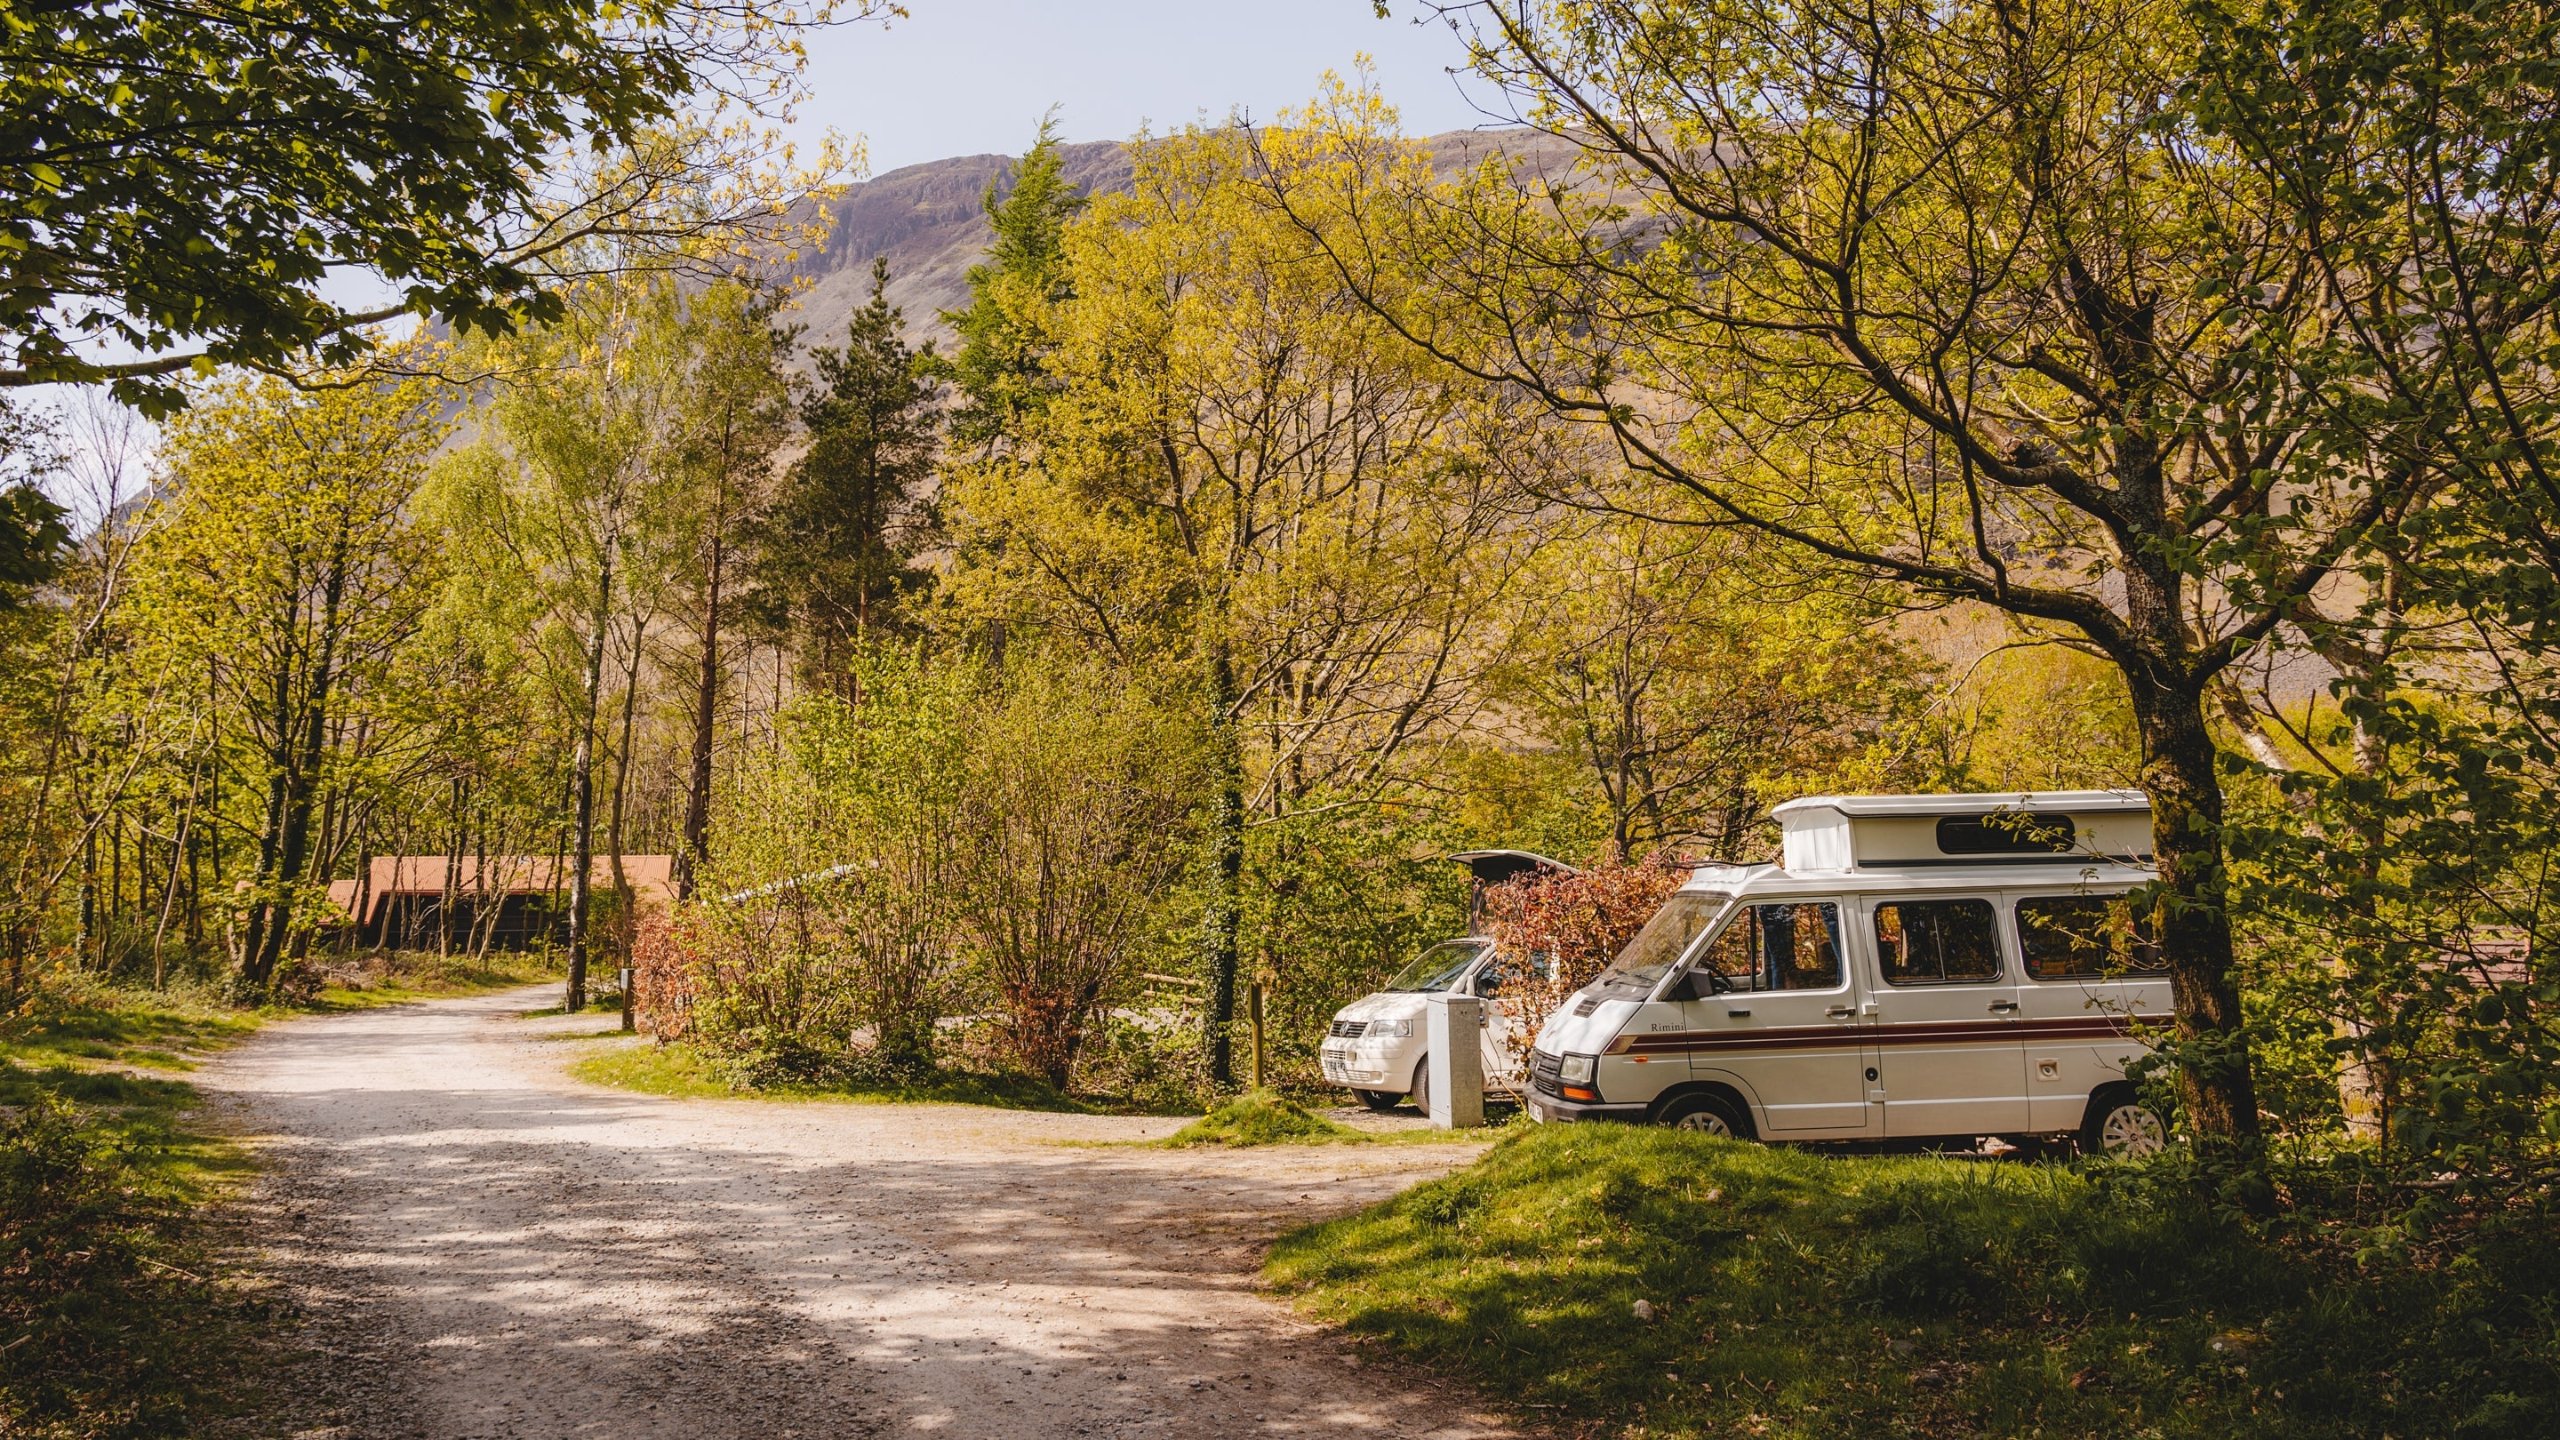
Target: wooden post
<point x="1254" y="1008"/>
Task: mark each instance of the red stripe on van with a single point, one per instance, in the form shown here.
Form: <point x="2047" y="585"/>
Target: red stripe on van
<point x="1845" y="1036"/>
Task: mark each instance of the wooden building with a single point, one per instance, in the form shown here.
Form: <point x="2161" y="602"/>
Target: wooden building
<point x="512" y="902"/>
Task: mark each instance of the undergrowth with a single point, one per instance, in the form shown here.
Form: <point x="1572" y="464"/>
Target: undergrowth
<point x="119" y="1320"/>
<point x="1656" y="1284"/>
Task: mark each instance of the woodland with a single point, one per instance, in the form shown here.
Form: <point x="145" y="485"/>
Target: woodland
<point x="1996" y="397"/>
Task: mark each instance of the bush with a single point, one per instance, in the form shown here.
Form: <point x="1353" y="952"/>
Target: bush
<point x="1577" y="922"/>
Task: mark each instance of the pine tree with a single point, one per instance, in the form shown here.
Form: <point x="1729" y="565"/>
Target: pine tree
<point x="1002" y="366"/>
<point x="833" y="563"/>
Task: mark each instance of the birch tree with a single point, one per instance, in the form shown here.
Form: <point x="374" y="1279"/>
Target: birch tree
<point x="284" y="570"/>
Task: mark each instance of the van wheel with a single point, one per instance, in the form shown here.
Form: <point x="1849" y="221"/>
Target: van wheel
<point x="2119" y="1124"/>
<point x="1421" y="1094"/>
<point x="1706" y="1115"/>
<point x="1379" y="1100"/>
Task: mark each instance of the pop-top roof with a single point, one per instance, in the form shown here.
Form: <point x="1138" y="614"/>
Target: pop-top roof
<point x="1829" y="833"/>
<point x="2075" y="801"/>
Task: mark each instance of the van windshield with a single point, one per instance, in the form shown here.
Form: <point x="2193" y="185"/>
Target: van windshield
<point x="1439" y="967"/>
<point x="1663" y="940"/>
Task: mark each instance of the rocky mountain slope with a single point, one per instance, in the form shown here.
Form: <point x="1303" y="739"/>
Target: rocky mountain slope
<point x="929" y="220"/>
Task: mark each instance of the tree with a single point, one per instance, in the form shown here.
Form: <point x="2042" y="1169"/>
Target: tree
<point x="160" y="191"/>
<point x="1969" y="299"/>
<point x="285" y="571"/>
<point x="1001" y="367"/>
<point x="562" y="510"/>
<point x="1238" y="474"/>
<point x="2397" y="866"/>
<point x="738" y="416"/>
<point x="1696" y="691"/>
<point x="836" y="545"/>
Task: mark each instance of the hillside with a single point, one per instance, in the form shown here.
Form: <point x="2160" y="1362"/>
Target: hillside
<point x="929" y="221"/>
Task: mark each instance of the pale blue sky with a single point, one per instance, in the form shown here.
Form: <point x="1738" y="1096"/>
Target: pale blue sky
<point x="964" y="77"/>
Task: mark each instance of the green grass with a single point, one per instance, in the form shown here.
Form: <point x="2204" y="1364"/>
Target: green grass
<point x="425" y="977"/>
<point x="111" y="1286"/>
<point x="1798" y="1294"/>
<point x="682" y="1071"/>
<point x="1267" y="1117"/>
<point x="1261" y="1117"/>
<point x="168" y="1030"/>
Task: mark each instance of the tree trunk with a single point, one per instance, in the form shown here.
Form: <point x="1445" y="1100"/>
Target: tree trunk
<point x="293" y="843"/>
<point x="613" y="832"/>
<point x="1227" y="852"/>
<point x="2191" y="916"/>
<point x="706" y="713"/>
<point x="582" y="790"/>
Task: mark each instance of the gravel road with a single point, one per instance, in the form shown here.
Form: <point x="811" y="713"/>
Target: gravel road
<point x="487" y="1248"/>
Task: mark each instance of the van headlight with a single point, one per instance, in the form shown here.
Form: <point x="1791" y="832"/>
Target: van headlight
<point x="1390" y="1029"/>
<point x="1576" y="1069"/>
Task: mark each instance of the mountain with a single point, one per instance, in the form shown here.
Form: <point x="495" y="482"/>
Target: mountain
<point x="930" y="222"/>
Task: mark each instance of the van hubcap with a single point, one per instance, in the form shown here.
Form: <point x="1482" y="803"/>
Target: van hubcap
<point x="2131" y="1130"/>
<point x="1705" y="1122"/>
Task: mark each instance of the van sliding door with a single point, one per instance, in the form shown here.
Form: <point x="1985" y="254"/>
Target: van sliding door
<point x="1950" y="1059"/>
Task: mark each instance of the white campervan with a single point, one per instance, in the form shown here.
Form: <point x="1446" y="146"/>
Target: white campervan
<point x="1916" y="967"/>
<point x="1376" y="1045"/>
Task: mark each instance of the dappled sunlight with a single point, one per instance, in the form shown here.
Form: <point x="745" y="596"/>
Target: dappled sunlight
<point x="727" y="1267"/>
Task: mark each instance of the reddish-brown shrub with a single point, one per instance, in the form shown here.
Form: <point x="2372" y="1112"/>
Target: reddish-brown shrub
<point x="1577" y="923"/>
<point x="666" y="968"/>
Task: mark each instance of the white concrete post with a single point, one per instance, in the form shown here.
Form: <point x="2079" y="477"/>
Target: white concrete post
<point x="1455" y="1031"/>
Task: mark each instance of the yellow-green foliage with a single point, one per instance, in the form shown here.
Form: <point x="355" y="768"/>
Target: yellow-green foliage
<point x="1797" y="1294"/>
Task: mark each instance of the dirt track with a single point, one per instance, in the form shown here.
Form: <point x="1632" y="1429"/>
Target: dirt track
<point x="489" y="1249"/>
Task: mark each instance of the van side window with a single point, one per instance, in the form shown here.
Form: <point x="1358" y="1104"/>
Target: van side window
<point x="2085" y="937"/>
<point x="1936" y="942"/>
<point x="1794" y="946"/>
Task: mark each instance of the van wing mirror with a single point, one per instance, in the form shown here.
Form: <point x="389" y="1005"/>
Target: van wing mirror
<point x="1697" y="985"/>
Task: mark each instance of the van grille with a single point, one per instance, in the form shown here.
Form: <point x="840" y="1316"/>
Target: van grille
<point x="1349" y="1029"/>
<point x="1544" y="1073"/>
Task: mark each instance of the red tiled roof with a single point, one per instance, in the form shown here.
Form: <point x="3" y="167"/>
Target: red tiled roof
<point x="652" y="878"/>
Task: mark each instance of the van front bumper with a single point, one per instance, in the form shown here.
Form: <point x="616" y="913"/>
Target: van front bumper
<point x="1543" y="1106"/>
<point x="1359" y="1067"/>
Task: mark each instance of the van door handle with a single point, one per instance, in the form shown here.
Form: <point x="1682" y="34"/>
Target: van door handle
<point x="1841" y="1012"/>
<point x="2003" y="1007"/>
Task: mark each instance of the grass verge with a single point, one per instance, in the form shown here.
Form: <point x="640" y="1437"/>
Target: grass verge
<point x="1261" y="1117"/>
<point x="1653" y="1284"/>
<point x="683" y="1071"/>
<point x="123" y="1311"/>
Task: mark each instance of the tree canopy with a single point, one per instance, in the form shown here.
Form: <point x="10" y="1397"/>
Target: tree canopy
<point x="180" y="180"/>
